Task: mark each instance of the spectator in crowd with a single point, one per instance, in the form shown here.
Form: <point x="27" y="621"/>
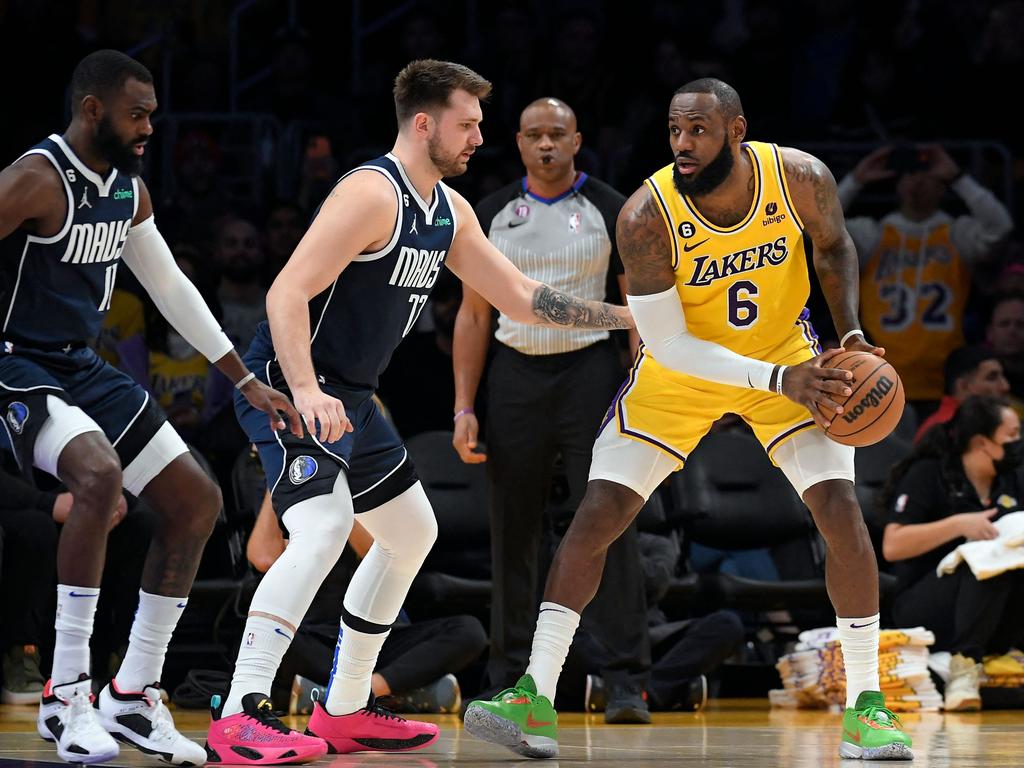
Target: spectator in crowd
<point x="282" y="230"/>
<point x="242" y="297"/>
<point x="972" y="370"/>
<point x="26" y="582"/>
<point x="685" y="652"/>
<point x="547" y="391"/>
<point x="415" y="671"/>
<point x="916" y="261"/>
<point x="199" y="197"/>
<point x="1005" y="336"/>
<point x="960" y="478"/>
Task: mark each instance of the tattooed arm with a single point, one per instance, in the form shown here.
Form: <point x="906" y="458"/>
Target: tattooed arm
<point x="835" y="256"/>
<point x="481" y="266"/>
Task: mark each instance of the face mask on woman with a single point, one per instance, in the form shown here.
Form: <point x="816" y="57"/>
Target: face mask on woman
<point x="1013" y="456"/>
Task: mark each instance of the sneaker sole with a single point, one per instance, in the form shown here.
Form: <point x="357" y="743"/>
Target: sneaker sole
<point x="20" y="699"/>
<point x="490" y="727"/>
<point x="966" y="705"/>
<point x="346" y="745"/>
<point x="126" y="736"/>
<point x="77" y="757"/>
<point x="895" y="751"/>
<point x="627" y="716"/>
<point x="225" y="754"/>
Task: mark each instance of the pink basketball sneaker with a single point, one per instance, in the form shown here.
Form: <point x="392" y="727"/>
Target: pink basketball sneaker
<point x="255" y="736"/>
<point x="370" y="729"/>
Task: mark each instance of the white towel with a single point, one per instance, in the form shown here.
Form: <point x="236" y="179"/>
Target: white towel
<point x="993" y="557"/>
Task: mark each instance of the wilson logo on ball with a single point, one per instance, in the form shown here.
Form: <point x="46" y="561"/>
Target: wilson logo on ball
<point x="871" y="400"/>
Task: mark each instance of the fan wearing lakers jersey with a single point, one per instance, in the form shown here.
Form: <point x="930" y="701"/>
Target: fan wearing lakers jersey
<point x="715" y="252"/>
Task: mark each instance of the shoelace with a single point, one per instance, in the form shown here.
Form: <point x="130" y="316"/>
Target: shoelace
<point x="163" y="723"/>
<point x="379" y="710"/>
<point x="265" y="715"/>
<point x="888" y="716"/>
<point x="81" y="716"/>
<point x="530" y="697"/>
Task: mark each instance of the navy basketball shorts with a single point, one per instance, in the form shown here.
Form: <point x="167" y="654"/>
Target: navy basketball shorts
<point x="49" y="397"/>
<point x="372" y="456"/>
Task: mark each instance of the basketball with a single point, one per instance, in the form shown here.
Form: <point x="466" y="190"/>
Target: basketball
<point x="875" y="406"/>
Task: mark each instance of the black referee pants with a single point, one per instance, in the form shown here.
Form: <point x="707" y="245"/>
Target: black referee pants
<point x="540" y="406"/>
<point x="971" y="617"/>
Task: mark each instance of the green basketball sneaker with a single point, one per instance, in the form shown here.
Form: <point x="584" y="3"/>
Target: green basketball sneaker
<point x="517" y="718"/>
<point x="872" y="732"/>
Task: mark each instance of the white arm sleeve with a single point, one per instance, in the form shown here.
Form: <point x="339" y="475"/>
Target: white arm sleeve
<point x="660" y="322"/>
<point x="147" y="255"/>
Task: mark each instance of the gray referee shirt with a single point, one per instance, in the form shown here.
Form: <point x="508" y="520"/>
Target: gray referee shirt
<point x="567" y="242"/>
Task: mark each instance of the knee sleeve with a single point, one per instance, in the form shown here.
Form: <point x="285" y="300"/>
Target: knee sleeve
<point x="404" y="530"/>
<point x="318" y="529"/>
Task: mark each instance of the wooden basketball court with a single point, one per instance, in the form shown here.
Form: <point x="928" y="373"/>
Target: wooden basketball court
<point x="732" y="733"/>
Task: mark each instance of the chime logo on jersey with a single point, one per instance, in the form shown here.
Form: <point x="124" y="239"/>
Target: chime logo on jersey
<point x="706" y="269"/>
<point x="417" y="268"/>
<point x="17" y="415"/>
<point x="302" y="469"/>
<point x="96" y="242"/>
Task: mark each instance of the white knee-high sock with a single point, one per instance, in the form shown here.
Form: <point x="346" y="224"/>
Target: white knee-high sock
<point x="859" y="641"/>
<point x="403" y="529"/>
<point x="155" y="620"/>
<point x="264" y="643"/>
<point x="556" y="626"/>
<point x="76" y="607"/>
<point x="318" y="529"/>
<point x="354" y="661"/>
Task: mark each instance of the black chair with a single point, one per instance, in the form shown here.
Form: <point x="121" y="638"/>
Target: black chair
<point x="873" y="465"/>
<point x="456" y="575"/>
<point x="730" y="496"/>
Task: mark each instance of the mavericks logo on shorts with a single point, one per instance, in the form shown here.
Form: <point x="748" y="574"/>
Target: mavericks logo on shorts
<point x="17" y="415"/>
<point x="302" y="469"/>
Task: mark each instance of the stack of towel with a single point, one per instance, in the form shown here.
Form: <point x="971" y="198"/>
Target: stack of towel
<point x="813" y="675"/>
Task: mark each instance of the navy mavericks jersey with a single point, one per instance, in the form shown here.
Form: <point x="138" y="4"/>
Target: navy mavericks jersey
<point x="57" y="289"/>
<point x="357" y="323"/>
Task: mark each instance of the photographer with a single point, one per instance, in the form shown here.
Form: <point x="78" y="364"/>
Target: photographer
<point x="916" y="261"/>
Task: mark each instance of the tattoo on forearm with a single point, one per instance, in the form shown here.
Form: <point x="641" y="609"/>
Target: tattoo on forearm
<point x="644" y="247"/>
<point x="560" y="308"/>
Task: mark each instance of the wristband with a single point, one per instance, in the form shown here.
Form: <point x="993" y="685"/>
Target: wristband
<point x="778" y="378"/>
<point x="848" y="334"/>
<point x="460" y="413"/>
<point x="245" y="380"/>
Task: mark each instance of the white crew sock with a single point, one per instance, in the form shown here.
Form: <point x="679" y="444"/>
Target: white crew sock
<point x="556" y="625"/>
<point x="354" y="660"/>
<point x="155" y="620"/>
<point x="264" y="643"/>
<point x="76" y="607"/>
<point x="859" y="640"/>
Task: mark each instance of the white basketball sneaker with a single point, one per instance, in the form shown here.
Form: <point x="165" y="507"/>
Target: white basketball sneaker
<point x="67" y="717"/>
<point x="142" y="720"/>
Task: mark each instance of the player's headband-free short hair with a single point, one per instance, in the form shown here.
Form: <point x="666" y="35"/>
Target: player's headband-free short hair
<point x="427" y="84"/>
<point x="103" y="72"/>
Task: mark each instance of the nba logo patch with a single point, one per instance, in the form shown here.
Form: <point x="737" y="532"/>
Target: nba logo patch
<point x="8" y="347"/>
<point x="250" y="638"/>
<point x="302" y="469"/>
<point x="522" y="211"/>
<point x="575" y="219"/>
<point x="17" y="415"/>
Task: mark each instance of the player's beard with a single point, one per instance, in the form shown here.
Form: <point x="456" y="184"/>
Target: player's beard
<point x="708" y="179"/>
<point x="112" y="147"/>
<point x="447" y="165"/>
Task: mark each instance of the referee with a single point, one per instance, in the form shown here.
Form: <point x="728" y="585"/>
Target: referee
<point x="547" y="392"/>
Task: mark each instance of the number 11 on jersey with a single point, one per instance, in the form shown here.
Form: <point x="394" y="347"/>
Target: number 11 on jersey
<point x="108" y="287"/>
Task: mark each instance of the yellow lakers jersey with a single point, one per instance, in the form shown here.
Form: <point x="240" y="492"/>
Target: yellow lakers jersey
<point x="178" y="380"/>
<point x="913" y="291"/>
<point x="745" y="286"/>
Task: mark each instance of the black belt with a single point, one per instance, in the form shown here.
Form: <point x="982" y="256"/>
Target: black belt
<point x="9" y="344"/>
